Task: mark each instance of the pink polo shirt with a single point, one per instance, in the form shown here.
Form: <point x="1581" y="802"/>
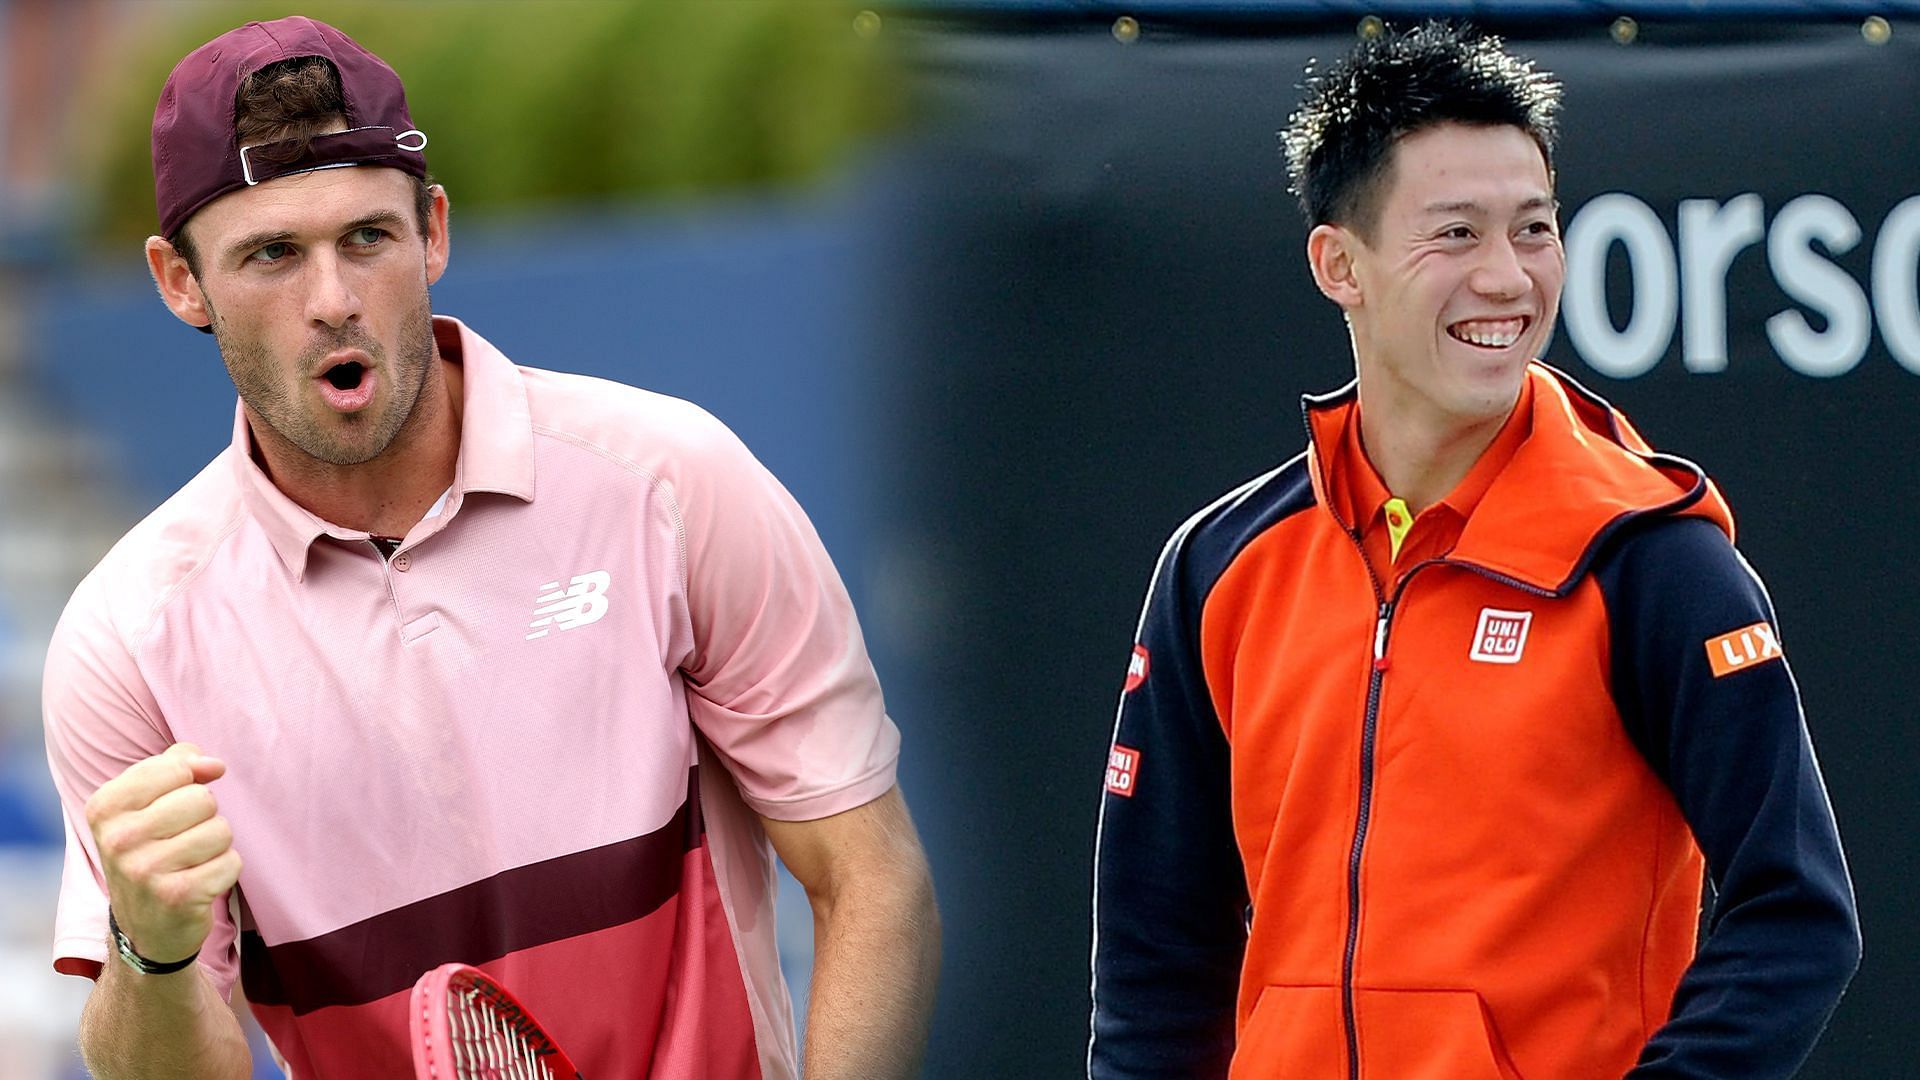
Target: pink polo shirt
<point x="536" y="740"/>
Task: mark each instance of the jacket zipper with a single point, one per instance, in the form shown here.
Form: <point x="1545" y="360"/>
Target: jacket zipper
<point x="1375" y="677"/>
<point x="1367" y="731"/>
<point x="1368" y="738"/>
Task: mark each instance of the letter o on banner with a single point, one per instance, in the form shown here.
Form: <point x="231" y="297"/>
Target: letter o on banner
<point x="1618" y="217"/>
<point x="1896" y="260"/>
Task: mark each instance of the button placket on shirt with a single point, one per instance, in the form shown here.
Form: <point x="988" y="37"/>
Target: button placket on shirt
<point x="411" y="629"/>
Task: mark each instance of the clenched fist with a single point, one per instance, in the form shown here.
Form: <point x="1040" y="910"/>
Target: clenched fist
<point x="166" y="851"/>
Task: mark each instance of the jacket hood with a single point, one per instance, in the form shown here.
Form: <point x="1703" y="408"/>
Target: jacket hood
<point x="1582" y="474"/>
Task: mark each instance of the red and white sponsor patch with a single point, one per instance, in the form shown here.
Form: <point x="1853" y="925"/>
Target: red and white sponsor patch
<point x="1136" y="669"/>
<point x="1743" y="648"/>
<point x="1501" y="636"/>
<point x="1123" y="767"/>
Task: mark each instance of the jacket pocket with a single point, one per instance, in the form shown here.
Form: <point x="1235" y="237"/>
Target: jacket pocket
<point x="1295" y="1032"/>
<point x="1427" y="1035"/>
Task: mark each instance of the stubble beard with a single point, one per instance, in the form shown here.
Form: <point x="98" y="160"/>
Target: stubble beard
<point x="327" y="437"/>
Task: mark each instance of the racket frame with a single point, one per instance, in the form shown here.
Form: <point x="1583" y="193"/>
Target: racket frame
<point x="442" y="1036"/>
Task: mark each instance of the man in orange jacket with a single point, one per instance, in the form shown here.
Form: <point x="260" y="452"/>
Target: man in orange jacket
<point x="1431" y="734"/>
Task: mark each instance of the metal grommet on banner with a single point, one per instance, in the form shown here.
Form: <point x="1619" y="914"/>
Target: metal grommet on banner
<point x="1126" y="30"/>
<point x="1876" y="30"/>
<point x="1624" y="30"/>
<point x="1370" y="27"/>
<point x="867" y="24"/>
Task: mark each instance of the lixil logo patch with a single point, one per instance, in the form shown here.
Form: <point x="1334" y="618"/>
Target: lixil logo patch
<point x="1501" y="636"/>
<point x="1729" y="653"/>
<point x="1123" y="765"/>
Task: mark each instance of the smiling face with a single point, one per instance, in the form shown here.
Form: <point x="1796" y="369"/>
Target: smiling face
<point x="1455" y="288"/>
<point x="316" y="288"/>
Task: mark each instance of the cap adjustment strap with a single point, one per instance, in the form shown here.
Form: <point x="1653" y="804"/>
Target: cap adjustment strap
<point x="334" y="150"/>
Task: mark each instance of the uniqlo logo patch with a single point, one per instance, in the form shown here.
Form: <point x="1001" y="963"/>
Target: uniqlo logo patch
<point x="1123" y="768"/>
<point x="1729" y="653"/>
<point x="1136" y="669"/>
<point x="1501" y="636"/>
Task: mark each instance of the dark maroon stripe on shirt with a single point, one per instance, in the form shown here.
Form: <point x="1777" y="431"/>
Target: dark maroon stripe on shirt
<point x="515" y="909"/>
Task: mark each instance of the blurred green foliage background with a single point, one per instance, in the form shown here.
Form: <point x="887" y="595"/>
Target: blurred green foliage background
<point x="533" y="102"/>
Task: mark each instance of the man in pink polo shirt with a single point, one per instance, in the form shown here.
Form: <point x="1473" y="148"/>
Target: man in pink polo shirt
<point x="469" y="661"/>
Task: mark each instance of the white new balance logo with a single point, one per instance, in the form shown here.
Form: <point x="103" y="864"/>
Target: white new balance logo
<point x="583" y="601"/>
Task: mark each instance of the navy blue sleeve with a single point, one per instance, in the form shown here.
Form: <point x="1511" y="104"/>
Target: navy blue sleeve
<point x="1170" y="894"/>
<point x="1782" y="937"/>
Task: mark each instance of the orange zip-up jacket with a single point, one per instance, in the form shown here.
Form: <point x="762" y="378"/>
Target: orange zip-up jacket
<point x="1448" y="820"/>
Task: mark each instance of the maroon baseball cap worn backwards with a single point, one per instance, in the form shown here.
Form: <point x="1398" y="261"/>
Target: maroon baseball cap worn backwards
<point x="196" y="158"/>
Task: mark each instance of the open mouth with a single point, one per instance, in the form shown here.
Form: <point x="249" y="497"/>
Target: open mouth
<point x="347" y="386"/>
<point x="1490" y="333"/>
<point x="345" y="376"/>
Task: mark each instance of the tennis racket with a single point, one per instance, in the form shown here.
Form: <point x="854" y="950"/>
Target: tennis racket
<point x="466" y="1026"/>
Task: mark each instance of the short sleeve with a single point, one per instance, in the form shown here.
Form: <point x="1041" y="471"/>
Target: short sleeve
<point x="779" y="678"/>
<point x="100" y="718"/>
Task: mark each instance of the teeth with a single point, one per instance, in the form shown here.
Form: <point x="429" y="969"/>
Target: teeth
<point x="1491" y="334"/>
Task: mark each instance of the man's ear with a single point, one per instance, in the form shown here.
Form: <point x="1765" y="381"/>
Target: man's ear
<point x="176" y="283"/>
<point x="439" y="241"/>
<point x="1330" y="255"/>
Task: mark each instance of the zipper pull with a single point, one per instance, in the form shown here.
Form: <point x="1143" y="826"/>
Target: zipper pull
<point x="1380" y="638"/>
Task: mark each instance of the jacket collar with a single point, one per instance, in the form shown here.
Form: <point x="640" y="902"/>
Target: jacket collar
<point x="1582" y="475"/>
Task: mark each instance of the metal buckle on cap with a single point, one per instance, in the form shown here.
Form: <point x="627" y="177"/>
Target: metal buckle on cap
<point x="246" y="169"/>
<point x="420" y="143"/>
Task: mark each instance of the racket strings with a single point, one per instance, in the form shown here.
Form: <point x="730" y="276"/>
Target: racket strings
<point x="485" y="1045"/>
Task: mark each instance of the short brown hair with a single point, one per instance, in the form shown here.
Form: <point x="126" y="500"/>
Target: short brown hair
<point x="291" y="101"/>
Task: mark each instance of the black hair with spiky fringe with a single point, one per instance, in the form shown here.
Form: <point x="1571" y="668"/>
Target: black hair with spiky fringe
<point x="1340" y="140"/>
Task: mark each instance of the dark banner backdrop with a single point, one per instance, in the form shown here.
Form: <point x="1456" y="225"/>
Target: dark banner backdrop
<point x="1102" y="319"/>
